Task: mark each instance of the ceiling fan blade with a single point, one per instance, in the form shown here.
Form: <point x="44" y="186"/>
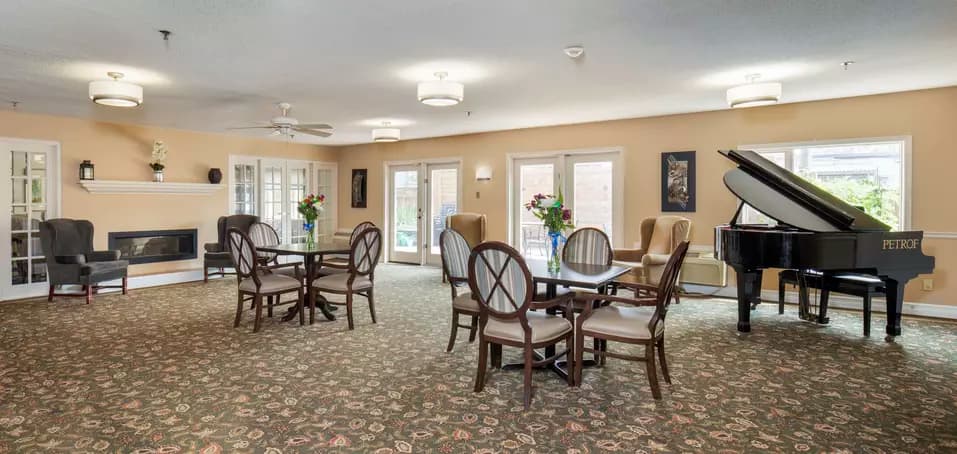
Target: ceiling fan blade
<point x="254" y="127"/>
<point x="276" y="133"/>
<point x="314" y="126"/>
<point x="312" y="132"/>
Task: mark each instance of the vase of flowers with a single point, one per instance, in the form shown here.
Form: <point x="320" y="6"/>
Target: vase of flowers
<point x="556" y="219"/>
<point x="158" y="160"/>
<point x="309" y="208"/>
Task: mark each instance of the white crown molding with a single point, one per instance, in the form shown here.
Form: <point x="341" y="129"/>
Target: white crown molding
<point x="941" y="235"/>
<point x="147" y="187"/>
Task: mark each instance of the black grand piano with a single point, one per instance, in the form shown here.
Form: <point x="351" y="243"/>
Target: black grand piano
<point x="816" y="231"/>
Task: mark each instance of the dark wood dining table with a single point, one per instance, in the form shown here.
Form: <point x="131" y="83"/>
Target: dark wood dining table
<point x="312" y="260"/>
<point x="581" y="275"/>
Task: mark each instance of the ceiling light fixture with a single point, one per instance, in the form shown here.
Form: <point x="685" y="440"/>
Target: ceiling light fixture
<point x="753" y="93"/>
<point x="115" y="93"/>
<point x="441" y="92"/>
<point x="385" y="134"/>
<point x="574" y="51"/>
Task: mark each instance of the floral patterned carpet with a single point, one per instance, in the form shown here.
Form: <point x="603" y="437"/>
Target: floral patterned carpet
<point x="163" y="371"/>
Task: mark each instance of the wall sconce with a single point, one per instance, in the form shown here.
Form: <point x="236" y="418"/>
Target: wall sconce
<point x="483" y="173"/>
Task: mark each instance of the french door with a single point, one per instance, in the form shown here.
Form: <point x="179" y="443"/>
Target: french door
<point x="421" y="196"/>
<point x="591" y="183"/>
<point x="29" y="194"/>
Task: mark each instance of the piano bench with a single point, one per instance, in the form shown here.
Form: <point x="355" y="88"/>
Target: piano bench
<point x="862" y="285"/>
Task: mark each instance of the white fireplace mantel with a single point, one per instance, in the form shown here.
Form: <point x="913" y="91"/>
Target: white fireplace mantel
<point x="147" y="187"/>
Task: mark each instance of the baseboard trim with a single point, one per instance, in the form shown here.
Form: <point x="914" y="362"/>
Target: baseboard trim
<point x="836" y="301"/>
<point x="138" y="282"/>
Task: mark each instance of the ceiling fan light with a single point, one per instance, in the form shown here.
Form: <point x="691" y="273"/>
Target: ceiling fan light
<point x="385" y="135"/>
<point x="115" y="93"/>
<point x="754" y="94"/>
<point x="441" y="92"/>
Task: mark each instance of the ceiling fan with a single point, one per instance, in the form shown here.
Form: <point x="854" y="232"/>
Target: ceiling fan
<point x="286" y="125"/>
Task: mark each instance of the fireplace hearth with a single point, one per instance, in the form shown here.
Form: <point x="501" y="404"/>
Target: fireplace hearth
<point x="154" y="245"/>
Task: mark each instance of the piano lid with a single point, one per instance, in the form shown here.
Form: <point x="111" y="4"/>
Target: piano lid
<point x="792" y="200"/>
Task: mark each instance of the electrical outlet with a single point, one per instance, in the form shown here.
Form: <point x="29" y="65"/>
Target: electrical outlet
<point x="478" y="195"/>
<point x="928" y="285"/>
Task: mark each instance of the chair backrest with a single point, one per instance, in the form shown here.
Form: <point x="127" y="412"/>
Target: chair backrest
<point x="66" y="237"/>
<point x="239" y="221"/>
<point x="263" y="235"/>
<point x="588" y="245"/>
<point x="500" y="281"/>
<point x="470" y="225"/>
<point x="662" y="234"/>
<point x="666" y="286"/>
<point x="364" y="252"/>
<point x="243" y="252"/>
<point x="455" y="256"/>
<point x="361" y="227"/>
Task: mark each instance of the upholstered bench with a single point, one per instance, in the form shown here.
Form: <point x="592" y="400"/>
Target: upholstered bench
<point x="862" y="285"/>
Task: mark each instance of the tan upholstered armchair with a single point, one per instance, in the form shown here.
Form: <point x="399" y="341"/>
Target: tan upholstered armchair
<point x="659" y="238"/>
<point x="470" y="225"/>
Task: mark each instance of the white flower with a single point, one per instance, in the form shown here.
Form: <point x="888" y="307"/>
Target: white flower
<point x="548" y="202"/>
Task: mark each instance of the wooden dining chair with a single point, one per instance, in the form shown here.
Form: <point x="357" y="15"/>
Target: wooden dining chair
<point x="340" y="263"/>
<point x="455" y="261"/>
<point x="357" y="280"/>
<point x="641" y="321"/>
<point x="257" y="280"/>
<point x="264" y="235"/>
<point x="502" y="285"/>
<point x="589" y="246"/>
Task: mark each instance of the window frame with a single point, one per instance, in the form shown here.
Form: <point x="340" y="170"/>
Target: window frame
<point x="906" y="162"/>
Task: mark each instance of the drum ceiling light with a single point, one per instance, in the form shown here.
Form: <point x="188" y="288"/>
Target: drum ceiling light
<point x="116" y="93"/>
<point x="385" y="133"/>
<point x="441" y="92"/>
<point x="754" y="94"/>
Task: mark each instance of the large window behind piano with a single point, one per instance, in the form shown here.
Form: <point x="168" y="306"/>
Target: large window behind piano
<point x="872" y="174"/>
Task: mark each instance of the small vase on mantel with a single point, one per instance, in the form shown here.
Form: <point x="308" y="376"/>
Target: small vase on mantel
<point x="158" y="176"/>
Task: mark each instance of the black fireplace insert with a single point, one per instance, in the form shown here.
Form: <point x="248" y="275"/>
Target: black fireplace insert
<point x="154" y="245"/>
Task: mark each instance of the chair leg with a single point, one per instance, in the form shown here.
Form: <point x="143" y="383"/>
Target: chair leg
<point x="496" y="356"/>
<point x="652" y="374"/>
<point x="596" y="344"/>
<point x="527" y="388"/>
<point x="205" y="275"/>
<point x="570" y="357"/>
<point x="352" y="325"/>
<point x="867" y="314"/>
<point x="50" y="295"/>
<point x="239" y="311"/>
<point x="311" y="295"/>
<point x="89" y="293"/>
<point x="482" y="365"/>
<point x="677" y="298"/>
<point x="125" y="289"/>
<point x="258" y="302"/>
<point x="473" y="328"/>
<point x="604" y="348"/>
<point x="455" y="328"/>
<point x="269" y="305"/>
<point x="371" y="298"/>
<point x="664" y="362"/>
<point x="300" y="307"/>
<point x="579" y="356"/>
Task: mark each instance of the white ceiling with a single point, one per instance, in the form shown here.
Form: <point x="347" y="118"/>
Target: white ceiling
<point x="349" y="62"/>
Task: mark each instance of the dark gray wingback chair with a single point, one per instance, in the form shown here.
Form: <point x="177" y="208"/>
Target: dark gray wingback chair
<point x="217" y="254"/>
<point x="71" y="260"/>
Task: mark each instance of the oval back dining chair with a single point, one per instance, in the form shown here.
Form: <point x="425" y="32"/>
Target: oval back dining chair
<point x="639" y="320"/>
<point x="358" y="280"/>
<point x="263" y="235"/>
<point x="455" y="253"/>
<point x="257" y="280"/>
<point x="340" y="263"/>
<point x="588" y="245"/>
<point x="502" y="285"/>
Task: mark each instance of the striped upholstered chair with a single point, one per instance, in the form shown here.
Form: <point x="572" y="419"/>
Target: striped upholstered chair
<point x="455" y="261"/>
<point x="588" y="246"/>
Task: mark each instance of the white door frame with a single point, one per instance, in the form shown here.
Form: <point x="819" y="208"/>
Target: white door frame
<point x="54" y="207"/>
<point x="430" y="258"/>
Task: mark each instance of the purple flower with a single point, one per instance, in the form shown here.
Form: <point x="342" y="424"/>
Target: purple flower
<point x="566" y="214"/>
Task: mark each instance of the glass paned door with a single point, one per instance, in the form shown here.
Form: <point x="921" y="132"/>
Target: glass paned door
<point x="443" y="200"/>
<point x="244" y="189"/>
<point x="272" y="196"/>
<point x="590" y="192"/>
<point x="29" y="197"/>
<point x="405" y="214"/>
<point x="297" y="175"/>
<point x="532" y="176"/>
<point x="326" y="185"/>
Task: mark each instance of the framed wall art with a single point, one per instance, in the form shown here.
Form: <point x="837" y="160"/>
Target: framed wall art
<point x="678" y="181"/>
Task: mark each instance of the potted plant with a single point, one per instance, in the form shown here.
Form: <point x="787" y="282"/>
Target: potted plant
<point x="158" y="160"/>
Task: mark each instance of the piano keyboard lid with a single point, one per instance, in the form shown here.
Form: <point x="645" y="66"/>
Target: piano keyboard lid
<point x="790" y="199"/>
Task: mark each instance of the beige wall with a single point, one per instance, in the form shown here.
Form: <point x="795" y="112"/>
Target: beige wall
<point x="929" y="116"/>
<point x="121" y="152"/>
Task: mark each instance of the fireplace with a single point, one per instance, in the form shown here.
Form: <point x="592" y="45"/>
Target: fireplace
<point x="154" y="245"/>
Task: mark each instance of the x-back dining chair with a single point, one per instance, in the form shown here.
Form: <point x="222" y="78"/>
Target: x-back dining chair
<point x="501" y="283"/>
<point x="257" y="280"/>
<point x="357" y="280"/>
<point x="455" y="261"/>
<point x="263" y="235"/>
<point x="340" y="263"/>
<point x="641" y="322"/>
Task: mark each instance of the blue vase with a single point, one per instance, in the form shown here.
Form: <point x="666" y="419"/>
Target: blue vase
<point x="554" y="255"/>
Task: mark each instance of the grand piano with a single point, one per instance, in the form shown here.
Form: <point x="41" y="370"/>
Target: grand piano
<point x="815" y="231"/>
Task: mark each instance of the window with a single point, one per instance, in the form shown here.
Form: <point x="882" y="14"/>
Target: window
<point x="870" y="174"/>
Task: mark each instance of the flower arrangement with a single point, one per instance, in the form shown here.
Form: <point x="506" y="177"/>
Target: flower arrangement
<point x="309" y="208"/>
<point x="158" y="159"/>
<point x="556" y="219"/>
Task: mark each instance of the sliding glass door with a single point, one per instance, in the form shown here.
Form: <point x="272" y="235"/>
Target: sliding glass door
<point x="406" y="214"/>
<point x="421" y="196"/>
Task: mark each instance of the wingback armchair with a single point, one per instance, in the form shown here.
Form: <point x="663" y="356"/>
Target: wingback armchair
<point x="470" y="225"/>
<point x="71" y="260"/>
<point x="660" y="236"/>
<point x="217" y="254"/>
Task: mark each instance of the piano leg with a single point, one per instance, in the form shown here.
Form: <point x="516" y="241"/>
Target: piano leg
<point x="749" y="292"/>
<point x="894" y="292"/>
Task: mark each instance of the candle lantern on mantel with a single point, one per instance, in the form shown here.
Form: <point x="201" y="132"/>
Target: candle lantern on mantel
<point x="86" y="170"/>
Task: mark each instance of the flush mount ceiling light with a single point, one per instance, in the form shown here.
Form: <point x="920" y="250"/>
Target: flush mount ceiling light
<point x="385" y="134"/>
<point x="753" y="93"/>
<point x="441" y="92"/>
<point x="115" y="93"/>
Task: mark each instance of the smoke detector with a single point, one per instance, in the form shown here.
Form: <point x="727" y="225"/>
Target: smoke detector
<point x="574" y="51"/>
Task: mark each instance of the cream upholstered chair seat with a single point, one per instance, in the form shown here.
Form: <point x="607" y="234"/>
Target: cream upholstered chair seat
<point x="339" y="282"/>
<point x="465" y="302"/>
<point x="659" y="238"/>
<point x="271" y="283"/>
<point x="545" y="327"/>
<point x="627" y="322"/>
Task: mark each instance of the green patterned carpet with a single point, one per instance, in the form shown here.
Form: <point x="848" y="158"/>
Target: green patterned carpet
<point x="163" y="371"/>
